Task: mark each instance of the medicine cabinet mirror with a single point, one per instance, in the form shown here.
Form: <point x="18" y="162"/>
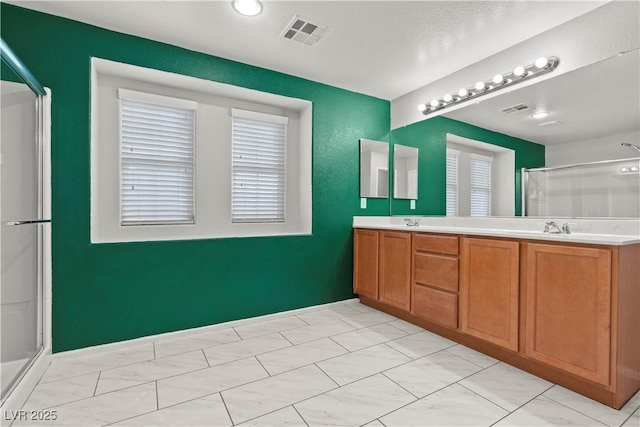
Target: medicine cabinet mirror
<point x="374" y="169"/>
<point x="405" y="172"/>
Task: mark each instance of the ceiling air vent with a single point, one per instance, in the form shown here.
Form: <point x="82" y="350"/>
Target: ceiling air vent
<point x="303" y="30"/>
<point x="515" y="109"/>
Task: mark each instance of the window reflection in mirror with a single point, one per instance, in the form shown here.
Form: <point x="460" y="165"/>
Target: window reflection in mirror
<point x="374" y="169"/>
<point x="405" y="172"/>
<point x="480" y="178"/>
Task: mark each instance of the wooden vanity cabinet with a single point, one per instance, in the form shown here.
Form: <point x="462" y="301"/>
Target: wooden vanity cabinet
<point x="365" y="266"/>
<point x="395" y="269"/>
<point x="489" y="291"/>
<point x="568" y="309"/>
<point x="434" y="283"/>
<point x="567" y="312"/>
<point x="382" y="266"/>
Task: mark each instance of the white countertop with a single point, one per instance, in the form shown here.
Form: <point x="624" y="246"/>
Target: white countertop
<point x="614" y="232"/>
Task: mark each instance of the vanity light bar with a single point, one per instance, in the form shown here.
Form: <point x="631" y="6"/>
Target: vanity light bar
<point x="519" y="74"/>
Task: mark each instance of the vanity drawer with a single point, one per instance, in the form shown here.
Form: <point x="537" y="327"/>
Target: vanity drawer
<point x="435" y="305"/>
<point x="436" y="270"/>
<point x="436" y="243"/>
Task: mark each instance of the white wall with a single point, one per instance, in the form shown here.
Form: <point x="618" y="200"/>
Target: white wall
<point x="594" y="36"/>
<point x="593" y="150"/>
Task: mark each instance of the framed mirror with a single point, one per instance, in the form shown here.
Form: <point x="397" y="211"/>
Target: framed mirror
<point x="405" y="172"/>
<point x="374" y="169"/>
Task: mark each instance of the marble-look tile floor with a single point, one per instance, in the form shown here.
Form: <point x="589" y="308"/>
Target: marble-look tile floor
<point x="341" y="365"/>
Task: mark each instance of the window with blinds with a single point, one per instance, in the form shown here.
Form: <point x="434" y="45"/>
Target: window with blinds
<point x="157" y="138"/>
<point x="258" y="167"/>
<point x="452" y="182"/>
<point x="480" y="177"/>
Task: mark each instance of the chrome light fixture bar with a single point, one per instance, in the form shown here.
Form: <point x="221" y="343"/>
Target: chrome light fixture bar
<point x="542" y="65"/>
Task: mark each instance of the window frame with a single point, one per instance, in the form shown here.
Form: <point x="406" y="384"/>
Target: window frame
<point x="213" y="155"/>
<point x="165" y="101"/>
<point x="264" y="118"/>
<point x="480" y="187"/>
<point x="456" y="155"/>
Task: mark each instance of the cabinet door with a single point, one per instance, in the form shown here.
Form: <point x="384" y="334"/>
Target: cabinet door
<point x="365" y="268"/>
<point x="568" y="309"/>
<point x="395" y="268"/>
<point x="489" y="290"/>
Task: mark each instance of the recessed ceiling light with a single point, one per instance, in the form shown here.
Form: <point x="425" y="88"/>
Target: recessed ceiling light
<point x="247" y="7"/>
<point x="540" y="115"/>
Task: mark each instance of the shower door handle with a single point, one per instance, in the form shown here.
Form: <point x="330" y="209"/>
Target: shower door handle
<point x="28" y="221"/>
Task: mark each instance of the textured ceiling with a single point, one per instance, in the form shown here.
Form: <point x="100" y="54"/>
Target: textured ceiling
<point x="380" y="48"/>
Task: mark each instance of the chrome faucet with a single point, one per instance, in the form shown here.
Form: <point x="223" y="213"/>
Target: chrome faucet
<point x="553" y="228"/>
<point x="412" y="222"/>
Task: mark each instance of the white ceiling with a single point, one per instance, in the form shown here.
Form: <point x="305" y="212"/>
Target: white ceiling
<point x="380" y="48"/>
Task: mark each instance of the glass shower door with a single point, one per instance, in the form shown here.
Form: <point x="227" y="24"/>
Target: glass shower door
<point x="20" y="232"/>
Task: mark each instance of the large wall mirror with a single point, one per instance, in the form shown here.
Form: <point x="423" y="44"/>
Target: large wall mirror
<point x="405" y="172"/>
<point x="374" y="169"/>
<point x="591" y="112"/>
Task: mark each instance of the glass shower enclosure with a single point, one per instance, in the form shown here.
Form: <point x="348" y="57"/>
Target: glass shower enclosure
<point x="21" y="220"/>
<point x="608" y="189"/>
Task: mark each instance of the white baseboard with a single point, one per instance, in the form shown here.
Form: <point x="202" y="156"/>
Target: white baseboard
<point x="121" y="345"/>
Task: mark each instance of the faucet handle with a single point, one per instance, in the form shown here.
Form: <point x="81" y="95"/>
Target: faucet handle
<point x="565" y="228"/>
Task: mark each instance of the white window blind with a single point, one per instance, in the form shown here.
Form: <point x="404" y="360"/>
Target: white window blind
<point x="480" y="176"/>
<point x="452" y="182"/>
<point x="157" y="138"/>
<point x="258" y="167"/>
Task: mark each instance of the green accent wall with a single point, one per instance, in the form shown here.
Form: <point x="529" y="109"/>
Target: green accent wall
<point x="112" y="292"/>
<point x="430" y="137"/>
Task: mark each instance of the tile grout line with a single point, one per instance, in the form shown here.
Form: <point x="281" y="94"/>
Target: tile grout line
<point x="307" y="323"/>
<point x="261" y="365"/>
<point x="300" y="415"/>
<point x="467" y="360"/>
<point x="345" y="348"/>
<point x="95" y="389"/>
<point x="327" y="375"/>
<point x="205" y="357"/>
<point x="575" y="410"/>
<point x="225" y="408"/>
<point x="399" y="385"/>
<point x="631" y="416"/>
<point x="509" y="412"/>
<point x="157" y="397"/>
<point x="283" y="336"/>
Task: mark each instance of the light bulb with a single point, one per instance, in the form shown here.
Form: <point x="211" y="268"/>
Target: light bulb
<point x="541" y="62"/>
<point x="463" y="93"/>
<point x="498" y="79"/>
<point x="481" y="86"/>
<point x="540" y="115"/>
<point x="623" y="170"/>
<point x="247" y="7"/>
<point x="519" y="71"/>
<point x="435" y="103"/>
<point x="423" y="108"/>
<point x="447" y="98"/>
<point x="634" y="169"/>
